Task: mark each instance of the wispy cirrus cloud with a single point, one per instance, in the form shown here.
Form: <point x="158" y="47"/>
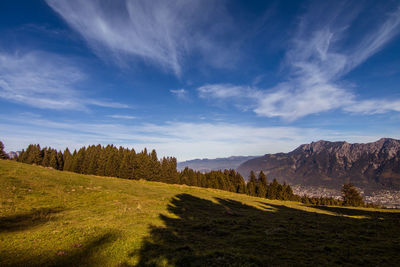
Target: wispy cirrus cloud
<point x="374" y="106"/>
<point x="316" y="64"/>
<point x="180" y="93"/>
<point x="118" y="116"/>
<point x="169" y="139"/>
<point x="46" y="81"/>
<point x="225" y="91"/>
<point x="159" y="32"/>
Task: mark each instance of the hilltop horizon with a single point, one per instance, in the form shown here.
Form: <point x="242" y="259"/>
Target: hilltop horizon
<point x="247" y="79"/>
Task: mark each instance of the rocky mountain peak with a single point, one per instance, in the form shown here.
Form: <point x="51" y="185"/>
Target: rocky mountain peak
<point x="368" y="165"/>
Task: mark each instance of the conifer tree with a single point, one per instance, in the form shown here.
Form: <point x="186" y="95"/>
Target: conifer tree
<point x="262" y="185"/>
<point x="240" y="184"/>
<point x="60" y="161"/>
<point x="33" y="155"/>
<point x="53" y="159"/>
<point x="46" y="157"/>
<point x="272" y="191"/>
<point x="154" y="167"/>
<point x="67" y="158"/>
<point x="3" y="154"/>
<point x="101" y="162"/>
<point x="75" y="162"/>
<point x="20" y="157"/>
<point x="142" y="165"/>
<point x="172" y="170"/>
<point x="126" y="167"/>
<point x="351" y="197"/>
<point x="251" y="185"/>
<point x="112" y="166"/>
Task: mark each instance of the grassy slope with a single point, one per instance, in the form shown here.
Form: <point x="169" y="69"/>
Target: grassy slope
<point x="49" y="217"/>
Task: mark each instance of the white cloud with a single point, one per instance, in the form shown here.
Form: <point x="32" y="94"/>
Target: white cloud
<point x="184" y="140"/>
<point x="126" y="117"/>
<point x="374" y="106"/>
<point x="180" y="93"/>
<point x="374" y="41"/>
<point x="316" y="66"/>
<point x="222" y="91"/>
<point x="161" y="32"/>
<point x="44" y="80"/>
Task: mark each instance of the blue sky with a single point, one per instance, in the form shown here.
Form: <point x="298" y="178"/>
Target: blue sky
<point x="196" y="79"/>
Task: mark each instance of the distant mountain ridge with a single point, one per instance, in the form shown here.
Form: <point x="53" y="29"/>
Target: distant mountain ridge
<point x="369" y="166"/>
<point x="205" y="165"/>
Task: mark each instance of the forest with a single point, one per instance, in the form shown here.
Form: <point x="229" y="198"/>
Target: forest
<point x="128" y="164"/>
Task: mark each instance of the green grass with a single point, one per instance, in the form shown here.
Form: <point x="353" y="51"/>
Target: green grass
<point x="48" y="217"/>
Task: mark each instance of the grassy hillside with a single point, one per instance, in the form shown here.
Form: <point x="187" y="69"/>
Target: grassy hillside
<point x="48" y="217"/>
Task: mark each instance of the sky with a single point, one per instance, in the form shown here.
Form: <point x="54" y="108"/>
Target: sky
<point x="198" y="79"/>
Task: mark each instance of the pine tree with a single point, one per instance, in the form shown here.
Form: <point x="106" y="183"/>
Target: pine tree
<point x="126" y="167"/>
<point x="101" y="163"/>
<point x="251" y="185"/>
<point x="262" y="185"/>
<point x="33" y="155"/>
<point x="240" y="184"/>
<point x="272" y="191"/>
<point x="21" y="156"/>
<point x="77" y="158"/>
<point x="351" y="197"/>
<point x="142" y="165"/>
<point x="46" y="157"/>
<point x="53" y="159"/>
<point x="287" y="192"/>
<point x="172" y="170"/>
<point x="3" y="154"/>
<point x="154" y="167"/>
<point x="67" y="158"/>
<point x="93" y="159"/>
<point x="60" y="161"/>
<point x="112" y="166"/>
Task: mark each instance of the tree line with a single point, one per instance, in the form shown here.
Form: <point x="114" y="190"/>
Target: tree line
<point x="104" y="161"/>
<point x="128" y="164"/>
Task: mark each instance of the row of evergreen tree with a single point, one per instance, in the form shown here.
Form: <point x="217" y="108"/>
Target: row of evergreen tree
<point x="105" y="161"/>
<point x="127" y="163"/>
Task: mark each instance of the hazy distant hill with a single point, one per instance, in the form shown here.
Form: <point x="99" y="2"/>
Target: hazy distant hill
<point x="13" y="154"/>
<point x="205" y="165"/>
<point x="373" y="165"/>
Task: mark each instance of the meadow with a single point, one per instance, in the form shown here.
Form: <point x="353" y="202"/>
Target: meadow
<point x="59" y="218"/>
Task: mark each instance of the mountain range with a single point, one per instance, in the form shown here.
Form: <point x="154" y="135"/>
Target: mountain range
<point x="369" y="166"/>
<point x="205" y="165"/>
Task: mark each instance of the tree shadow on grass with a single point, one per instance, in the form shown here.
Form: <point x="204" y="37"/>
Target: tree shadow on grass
<point x="230" y="233"/>
<point x="28" y="220"/>
<point x="350" y="211"/>
<point x="86" y="254"/>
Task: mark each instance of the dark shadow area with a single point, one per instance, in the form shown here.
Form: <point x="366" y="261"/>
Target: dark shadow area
<point x="230" y="233"/>
<point x="356" y="212"/>
<point x="85" y="254"/>
<point x="28" y="220"/>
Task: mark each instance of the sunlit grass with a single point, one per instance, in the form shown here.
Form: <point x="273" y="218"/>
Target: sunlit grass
<point x="49" y="217"/>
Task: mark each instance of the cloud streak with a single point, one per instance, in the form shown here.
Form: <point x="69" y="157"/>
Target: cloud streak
<point x="46" y="81"/>
<point x="185" y="140"/>
<point x="180" y="93"/>
<point x="161" y="32"/>
<point x="125" y="117"/>
<point x="316" y="64"/>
